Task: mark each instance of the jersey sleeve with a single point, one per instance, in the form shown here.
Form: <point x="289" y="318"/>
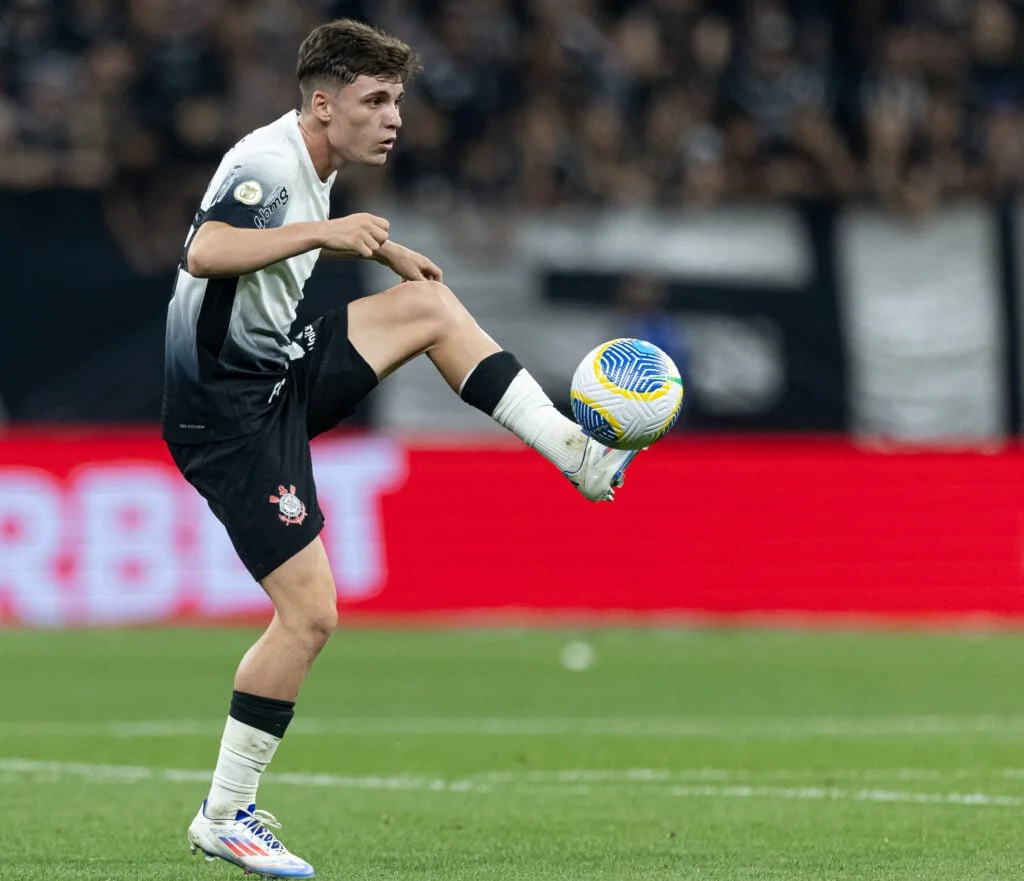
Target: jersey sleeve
<point x="254" y="194"/>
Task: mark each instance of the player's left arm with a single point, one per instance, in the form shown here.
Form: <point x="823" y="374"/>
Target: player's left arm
<point x="406" y="263"/>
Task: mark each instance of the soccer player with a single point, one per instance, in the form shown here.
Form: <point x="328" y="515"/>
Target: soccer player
<point x="244" y="394"/>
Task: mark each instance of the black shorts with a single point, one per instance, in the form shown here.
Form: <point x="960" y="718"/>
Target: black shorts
<point x="260" y="485"/>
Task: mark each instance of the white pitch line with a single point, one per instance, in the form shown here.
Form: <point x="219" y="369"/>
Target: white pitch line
<point x="833" y="794"/>
<point x="569" y="782"/>
<point x="138" y="773"/>
<point x="661" y="775"/>
<point x="718" y="727"/>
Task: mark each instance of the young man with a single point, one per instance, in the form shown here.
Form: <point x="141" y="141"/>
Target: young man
<point x="243" y="395"/>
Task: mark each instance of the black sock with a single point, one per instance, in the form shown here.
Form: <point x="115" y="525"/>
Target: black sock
<point x="263" y="713"/>
<point x="489" y="380"/>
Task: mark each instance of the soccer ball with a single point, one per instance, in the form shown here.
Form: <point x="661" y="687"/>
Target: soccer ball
<point x="626" y="394"/>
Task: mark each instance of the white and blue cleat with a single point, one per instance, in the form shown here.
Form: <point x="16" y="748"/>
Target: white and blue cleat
<point x="247" y="842"/>
<point x="601" y="471"/>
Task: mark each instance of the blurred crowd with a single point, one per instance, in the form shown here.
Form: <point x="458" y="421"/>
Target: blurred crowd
<point x="531" y="103"/>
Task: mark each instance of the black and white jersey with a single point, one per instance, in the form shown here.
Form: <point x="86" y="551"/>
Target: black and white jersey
<point x="228" y="339"/>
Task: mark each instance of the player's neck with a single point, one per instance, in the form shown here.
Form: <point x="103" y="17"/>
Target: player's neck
<point x="325" y="161"/>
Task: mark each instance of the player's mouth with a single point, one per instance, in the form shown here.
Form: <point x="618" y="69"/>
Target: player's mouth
<point x="388" y="144"/>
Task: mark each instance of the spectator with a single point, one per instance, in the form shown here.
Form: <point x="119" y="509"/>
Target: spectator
<point x="532" y="103"/>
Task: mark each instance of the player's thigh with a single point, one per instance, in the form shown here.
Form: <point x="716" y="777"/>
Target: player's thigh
<point x="302" y="589"/>
<point x="332" y="375"/>
<point x="396" y="325"/>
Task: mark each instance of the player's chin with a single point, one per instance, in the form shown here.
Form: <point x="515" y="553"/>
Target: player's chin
<point x="377" y="158"/>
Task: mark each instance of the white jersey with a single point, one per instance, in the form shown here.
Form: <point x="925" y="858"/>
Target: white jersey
<point x="228" y="339"/>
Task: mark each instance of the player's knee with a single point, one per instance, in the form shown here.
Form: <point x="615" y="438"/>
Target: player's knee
<point x="436" y="304"/>
<point x="306" y="605"/>
<point x="313" y="626"/>
<point x="321" y="623"/>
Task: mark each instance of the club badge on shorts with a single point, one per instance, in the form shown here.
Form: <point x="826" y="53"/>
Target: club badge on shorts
<point x="290" y="508"/>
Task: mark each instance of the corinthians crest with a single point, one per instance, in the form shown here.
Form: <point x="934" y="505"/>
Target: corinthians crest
<point x="290" y="508"/>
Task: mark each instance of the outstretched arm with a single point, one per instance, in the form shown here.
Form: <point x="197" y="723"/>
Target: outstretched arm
<point x="219" y="249"/>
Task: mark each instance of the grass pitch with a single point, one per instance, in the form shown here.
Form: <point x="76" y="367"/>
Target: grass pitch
<point x="481" y="755"/>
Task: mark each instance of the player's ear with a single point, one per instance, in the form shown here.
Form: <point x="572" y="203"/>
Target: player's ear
<point x="320" y="105"/>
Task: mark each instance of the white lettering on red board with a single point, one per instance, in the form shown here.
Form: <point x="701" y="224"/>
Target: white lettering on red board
<point x="132" y="542"/>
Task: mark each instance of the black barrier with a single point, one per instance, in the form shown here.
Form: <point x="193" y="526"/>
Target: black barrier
<point x="776" y="361"/>
<point x="84" y="335"/>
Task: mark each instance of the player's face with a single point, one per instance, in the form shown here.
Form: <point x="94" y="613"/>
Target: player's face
<point x="365" y="120"/>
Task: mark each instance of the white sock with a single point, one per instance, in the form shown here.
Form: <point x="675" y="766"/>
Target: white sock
<point x="528" y="413"/>
<point x="245" y="753"/>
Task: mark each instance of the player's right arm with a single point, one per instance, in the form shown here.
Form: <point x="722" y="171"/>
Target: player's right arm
<point x="220" y="249"/>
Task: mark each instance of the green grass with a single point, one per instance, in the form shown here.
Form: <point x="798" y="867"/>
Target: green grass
<point x="476" y="755"/>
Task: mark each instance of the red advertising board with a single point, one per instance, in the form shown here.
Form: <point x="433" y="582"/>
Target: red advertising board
<point x="98" y="528"/>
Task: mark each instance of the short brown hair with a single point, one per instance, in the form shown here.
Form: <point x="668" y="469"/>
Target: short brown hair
<point x="337" y="52"/>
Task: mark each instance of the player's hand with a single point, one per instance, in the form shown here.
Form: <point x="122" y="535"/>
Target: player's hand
<point x="360" y="235"/>
<point x="407" y="264"/>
